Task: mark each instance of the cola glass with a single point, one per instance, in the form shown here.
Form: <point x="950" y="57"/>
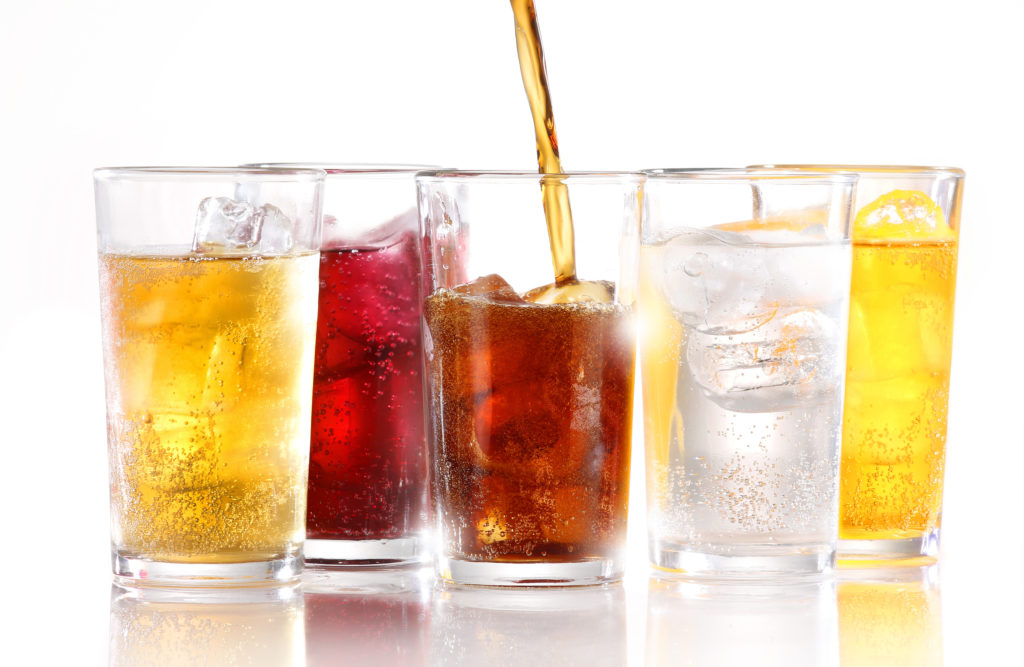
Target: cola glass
<point x="531" y="383"/>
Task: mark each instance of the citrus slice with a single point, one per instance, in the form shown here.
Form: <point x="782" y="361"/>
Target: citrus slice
<point x="902" y="214"/>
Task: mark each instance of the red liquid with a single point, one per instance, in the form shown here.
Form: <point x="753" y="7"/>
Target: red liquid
<point x="367" y="468"/>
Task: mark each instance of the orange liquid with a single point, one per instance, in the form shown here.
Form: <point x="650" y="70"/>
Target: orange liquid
<point x="897" y="388"/>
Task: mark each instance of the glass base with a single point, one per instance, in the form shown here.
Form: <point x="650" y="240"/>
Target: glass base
<point x="907" y="548"/>
<point x="747" y="562"/>
<point x="360" y="553"/>
<point x="590" y="572"/>
<point x="133" y="571"/>
<point x="121" y="590"/>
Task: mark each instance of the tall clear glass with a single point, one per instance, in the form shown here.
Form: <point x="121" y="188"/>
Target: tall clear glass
<point x="368" y="461"/>
<point x="744" y="294"/>
<point x="208" y="285"/>
<point x="905" y="238"/>
<point x="531" y="399"/>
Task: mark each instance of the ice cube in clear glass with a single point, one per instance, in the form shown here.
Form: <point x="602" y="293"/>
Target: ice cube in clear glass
<point x="225" y="224"/>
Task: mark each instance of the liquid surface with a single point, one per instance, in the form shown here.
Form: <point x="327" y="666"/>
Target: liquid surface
<point x="532" y="421"/>
<point x="208" y="367"/>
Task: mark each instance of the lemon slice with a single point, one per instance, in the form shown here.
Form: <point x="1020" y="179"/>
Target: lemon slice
<point x="902" y="214"/>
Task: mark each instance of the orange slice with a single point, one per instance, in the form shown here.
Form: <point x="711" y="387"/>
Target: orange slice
<point x="902" y="214"/>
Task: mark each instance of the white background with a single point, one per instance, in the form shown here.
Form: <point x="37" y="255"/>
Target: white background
<point x="639" y="83"/>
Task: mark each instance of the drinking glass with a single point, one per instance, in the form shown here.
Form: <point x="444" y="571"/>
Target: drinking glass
<point x="208" y="284"/>
<point x="531" y="397"/>
<point x="367" y="500"/>
<point x="744" y="294"/>
<point x="905" y="237"/>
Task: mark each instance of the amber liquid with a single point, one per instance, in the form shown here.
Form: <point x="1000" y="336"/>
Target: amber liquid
<point x="209" y="378"/>
<point x="897" y="389"/>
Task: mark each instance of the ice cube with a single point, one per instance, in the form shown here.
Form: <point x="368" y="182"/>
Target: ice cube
<point x="276" y="231"/>
<point x="517" y="427"/>
<point x="225" y="225"/>
<point x="492" y="286"/>
<point x="715" y="282"/>
<point x="577" y="291"/>
<point x="790" y="360"/>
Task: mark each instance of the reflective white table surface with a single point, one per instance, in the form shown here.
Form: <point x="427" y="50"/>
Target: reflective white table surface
<point x="403" y="618"/>
<point x="882" y="616"/>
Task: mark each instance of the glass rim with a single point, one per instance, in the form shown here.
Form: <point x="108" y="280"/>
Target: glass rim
<point x="868" y="170"/>
<point x="746" y="174"/>
<point x="265" y="174"/>
<point x="349" y="168"/>
<point x="494" y="176"/>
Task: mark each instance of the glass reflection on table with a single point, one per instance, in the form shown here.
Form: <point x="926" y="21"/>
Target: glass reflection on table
<point x="726" y="623"/>
<point x="186" y="627"/>
<point x="890" y="616"/>
<point x="562" y="626"/>
<point x="367" y="617"/>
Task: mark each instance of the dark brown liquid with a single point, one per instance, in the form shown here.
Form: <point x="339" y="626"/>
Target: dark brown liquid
<point x="555" y="193"/>
<point x="532" y="419"/>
